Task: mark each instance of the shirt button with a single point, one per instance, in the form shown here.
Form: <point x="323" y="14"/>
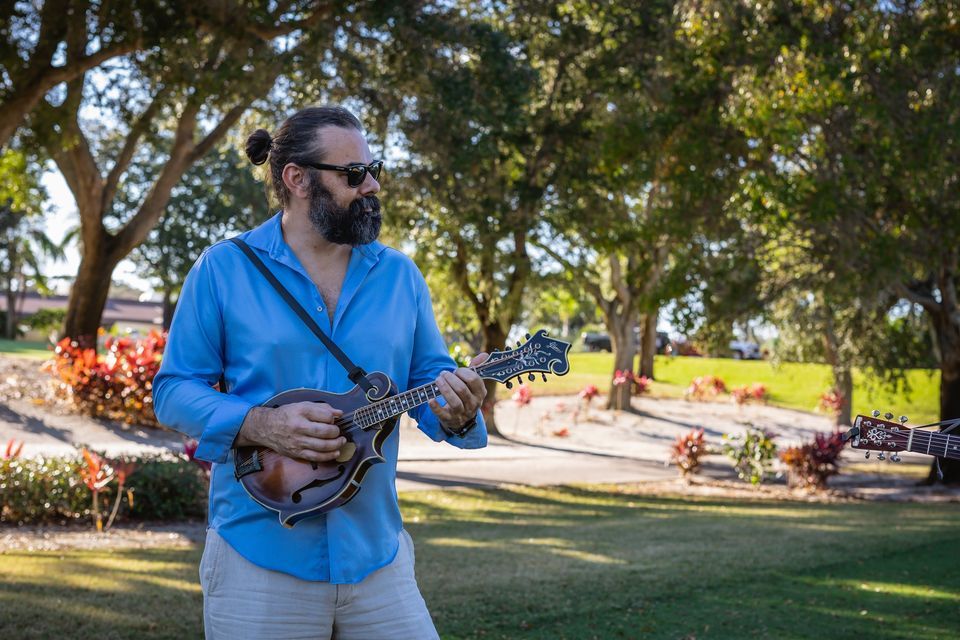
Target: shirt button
<point x="320" y="308"/>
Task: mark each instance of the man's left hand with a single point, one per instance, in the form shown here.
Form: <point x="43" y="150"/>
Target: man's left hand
<point x="464" y="392"/>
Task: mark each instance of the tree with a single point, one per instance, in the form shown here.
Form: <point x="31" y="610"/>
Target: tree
<point x="216" y="198"/>
<point x="23" y="242"/>
<point x="854" y="129"/>
<point x="186" y="98"/>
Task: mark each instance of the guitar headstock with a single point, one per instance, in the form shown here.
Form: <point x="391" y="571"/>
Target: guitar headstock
<point x="871" y="433"/>
<point x="539" y="354"/>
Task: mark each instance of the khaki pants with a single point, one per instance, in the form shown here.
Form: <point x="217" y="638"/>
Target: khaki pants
<point x="242" y="600"/>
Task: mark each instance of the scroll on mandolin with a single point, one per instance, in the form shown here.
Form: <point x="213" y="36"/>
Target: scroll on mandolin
<point x="297" y="489"/>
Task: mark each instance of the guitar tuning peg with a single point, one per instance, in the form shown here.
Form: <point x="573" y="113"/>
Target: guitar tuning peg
<point x="531" y="377"/>
<point x="880" y="456"/>
<point x="876" y="413"/>
<point x="894" y="457"/>
<point x="867" y="455"/>
<point x="888" y="415"/>
<point x="903" y="419"/>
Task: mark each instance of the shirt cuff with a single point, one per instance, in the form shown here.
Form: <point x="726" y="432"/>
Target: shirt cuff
<point x="217" y="438"/>
<point x="476" y="438"/>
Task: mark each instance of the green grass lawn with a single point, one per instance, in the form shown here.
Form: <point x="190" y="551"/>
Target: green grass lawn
<point x="575" y="562"/>
<point x="791" y="385"/>
<point x="36" y="350"/>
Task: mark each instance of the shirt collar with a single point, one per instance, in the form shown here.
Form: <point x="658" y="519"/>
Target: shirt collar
<point x="269" y="237"/>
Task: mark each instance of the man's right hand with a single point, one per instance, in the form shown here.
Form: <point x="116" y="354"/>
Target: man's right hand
<point x="301" y="430"/>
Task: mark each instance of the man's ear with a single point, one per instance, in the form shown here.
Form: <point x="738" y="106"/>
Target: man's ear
<point x="296" y="180"/>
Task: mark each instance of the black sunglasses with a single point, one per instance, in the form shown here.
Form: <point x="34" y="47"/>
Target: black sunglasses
<point x="356" y="172"/>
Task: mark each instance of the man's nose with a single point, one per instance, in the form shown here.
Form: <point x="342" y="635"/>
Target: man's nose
<point x="369" y="186"/>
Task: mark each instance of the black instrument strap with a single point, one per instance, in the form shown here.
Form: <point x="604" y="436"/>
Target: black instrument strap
<point x="357" y="375"/>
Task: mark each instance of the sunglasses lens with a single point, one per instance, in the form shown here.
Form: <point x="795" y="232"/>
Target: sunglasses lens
<point x="374" y="169"/>
<point x="356" y="175"/>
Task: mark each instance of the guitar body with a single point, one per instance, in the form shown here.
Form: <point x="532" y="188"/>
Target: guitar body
<point x="297" y="489"/>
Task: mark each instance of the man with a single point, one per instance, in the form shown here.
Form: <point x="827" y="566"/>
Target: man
<point x="347" y="573"/>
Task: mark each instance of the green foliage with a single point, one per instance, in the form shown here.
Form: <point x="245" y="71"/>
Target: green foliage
<point x="47" y="320"/>
<point x="51" y="491"/>
<point x="42" y="490"/>
<point x="753" y="454"/>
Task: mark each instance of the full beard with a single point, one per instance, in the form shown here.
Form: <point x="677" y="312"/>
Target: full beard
<point x="354" y="225"/>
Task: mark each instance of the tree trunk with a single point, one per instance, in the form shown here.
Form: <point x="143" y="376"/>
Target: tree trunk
<point x="10" y="330"/>
<point x="88" y="297"/>
<point x="843" y="379"/>
<point x="624" y="350"/>
<point x="169" y="306"/>
<point x="494" y="339"/>
<point x="648" y="343"/>
<point x="948" y="342"/>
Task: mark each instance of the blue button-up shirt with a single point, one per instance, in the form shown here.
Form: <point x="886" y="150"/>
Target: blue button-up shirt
<point x="230" y="320"/>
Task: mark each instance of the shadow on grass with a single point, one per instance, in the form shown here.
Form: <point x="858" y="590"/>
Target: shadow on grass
<point x="130" y="593"/>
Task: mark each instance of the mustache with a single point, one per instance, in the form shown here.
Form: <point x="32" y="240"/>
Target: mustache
<point x="366" y="205"/>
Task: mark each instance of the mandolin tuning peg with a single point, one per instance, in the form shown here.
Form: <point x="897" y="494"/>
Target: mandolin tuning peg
<point x="876" y="413"/>
<point x="528" y="336"/>
<point x="531" y="377"/>
<point x="518" y="343"/>
<point x="867" y="455"/>
<point x="903" y="419"/>
<point x="894" y="457"/>
<point x="888" y="416"/>
<point x="544" y="376"/>
<point x="509" y="385"/>
<point x="880" y="456"/>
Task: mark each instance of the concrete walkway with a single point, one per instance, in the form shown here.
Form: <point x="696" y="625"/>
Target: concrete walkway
<point x="553" y="440"/>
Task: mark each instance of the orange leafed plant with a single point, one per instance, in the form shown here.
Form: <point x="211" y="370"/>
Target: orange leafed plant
<point x="14" y="447"/>
<point x="96" y="475"/>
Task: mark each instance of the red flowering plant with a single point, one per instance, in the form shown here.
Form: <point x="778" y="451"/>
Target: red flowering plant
<point x="589" y="392"/>
<point x="117" y="384"/>
<point x="755" y="392"/>
<point x="831" y="401"/>
<point x="705" y="388"/>
<point x="14" y="447"/>
<point x="122" y="469"/>
<point x="809" y="466"/>
<point x="96" y="473"/>
<point x="190" y="450"/>
<point x="687" y="451"/>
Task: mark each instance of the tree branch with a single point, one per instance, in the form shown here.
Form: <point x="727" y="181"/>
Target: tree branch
<point x="928" y="302"/>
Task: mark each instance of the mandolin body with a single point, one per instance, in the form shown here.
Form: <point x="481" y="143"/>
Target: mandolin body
<point x="297" y="489"/>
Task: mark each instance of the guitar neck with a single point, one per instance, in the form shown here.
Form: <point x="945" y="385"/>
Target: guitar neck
<point x="933" y="443"/>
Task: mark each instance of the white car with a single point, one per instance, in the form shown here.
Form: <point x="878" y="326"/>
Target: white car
<point x="744" y="350"/>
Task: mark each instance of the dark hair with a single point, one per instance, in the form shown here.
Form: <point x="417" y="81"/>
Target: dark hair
<point x="296" y="139"/>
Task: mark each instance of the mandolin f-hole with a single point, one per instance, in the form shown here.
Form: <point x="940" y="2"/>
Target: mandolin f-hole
<point x="297" y="495"/>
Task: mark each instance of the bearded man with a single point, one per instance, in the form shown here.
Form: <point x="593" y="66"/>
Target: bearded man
<point x="348" y="572"/>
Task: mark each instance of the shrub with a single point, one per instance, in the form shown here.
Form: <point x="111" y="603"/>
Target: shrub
<point x="47" y="320"/>
<point x="752" y="453"/>
<point x="810" y="465"/>
<point x="51" y="490"/>
<point x="755" y="392"/>
<point x="687" y="451"/>
<point x="705" y="388"/>
<point x="523" y="395"/>
<point x="116" y="385"/>
<point x="831" y="402"/>
<point x="589" y="392"/>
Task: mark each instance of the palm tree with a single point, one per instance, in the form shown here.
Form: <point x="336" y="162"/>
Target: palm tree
<point x="23" y="245"/>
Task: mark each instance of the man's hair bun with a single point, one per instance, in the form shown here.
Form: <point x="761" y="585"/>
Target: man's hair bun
<point x="258" y="146"/>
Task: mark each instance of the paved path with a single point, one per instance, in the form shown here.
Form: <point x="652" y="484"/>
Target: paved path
<point x="546" y="443"/>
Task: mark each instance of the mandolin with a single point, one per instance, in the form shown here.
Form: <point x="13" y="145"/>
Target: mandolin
<point x="297" y="489"/>
<point x="873" y="434"/>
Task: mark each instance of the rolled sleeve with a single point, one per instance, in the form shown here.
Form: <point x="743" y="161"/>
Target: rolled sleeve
<point x="193" y="361"/>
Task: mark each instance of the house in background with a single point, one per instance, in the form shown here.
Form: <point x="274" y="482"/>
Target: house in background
<point x="125" y="315"/>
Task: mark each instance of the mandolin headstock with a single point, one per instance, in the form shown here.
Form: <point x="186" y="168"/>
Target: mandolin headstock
<point x="539" y="354"/>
